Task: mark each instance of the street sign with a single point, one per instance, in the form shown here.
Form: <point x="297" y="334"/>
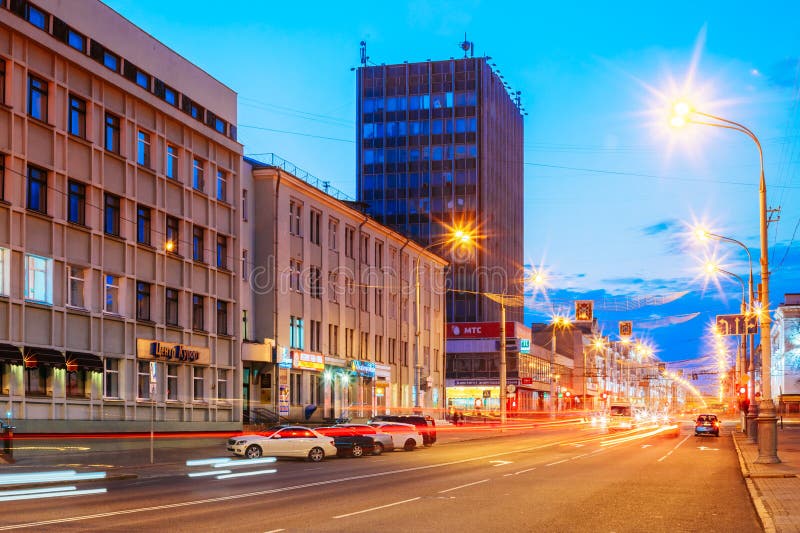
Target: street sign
<point x="584" y="310"/>
<point x="737" y="325"/>
<point x="625" y="328"/>
<point x="153" y="387"/>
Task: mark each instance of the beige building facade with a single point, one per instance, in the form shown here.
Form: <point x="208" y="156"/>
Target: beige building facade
<point x="332" y="308"/>
<point x="120" y="203"/>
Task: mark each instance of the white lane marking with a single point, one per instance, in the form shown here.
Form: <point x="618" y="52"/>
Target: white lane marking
<point x="501" y="463"/>
<point x="579" y="456"/>
<point x="558" y="462"/>
<point x="462" y="486"/>
<point x="675" y="448"/>
<point x="252" y="473"/>
<point x="274" y="530"/>
<point x="707" y="449"/>
<point x="520" y="472"/>
<point x="646" y="445"/>
<point x="191" y="503"/>
<point x="376" y="508"/>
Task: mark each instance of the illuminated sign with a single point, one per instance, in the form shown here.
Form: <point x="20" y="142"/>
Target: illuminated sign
<point x="172" y="352"/>
<point x="625" y="328"/>
<point x="584" y="310"/>
<point x="284" y="357"/>
<point x="524" y="346"/>
<point x="478" y="330"/>
<point x="364" y="368"/>
<point x="737" y="325"/>
<point x="308" y="361"/>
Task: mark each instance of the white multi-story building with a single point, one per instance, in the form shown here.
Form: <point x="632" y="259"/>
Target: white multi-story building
<point x="119" y="227"/>
<point x="331" y="306"/>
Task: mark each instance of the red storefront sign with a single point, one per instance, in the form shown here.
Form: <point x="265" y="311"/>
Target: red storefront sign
<point x="477" y="330"/>
<point x="527" y="381"/>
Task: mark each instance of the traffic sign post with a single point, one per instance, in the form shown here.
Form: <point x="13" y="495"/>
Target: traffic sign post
<point x="736" y="325"/>
<point x="153" y="389"/>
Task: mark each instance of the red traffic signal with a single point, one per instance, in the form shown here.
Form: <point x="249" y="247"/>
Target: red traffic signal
<point x="742" y="390"/>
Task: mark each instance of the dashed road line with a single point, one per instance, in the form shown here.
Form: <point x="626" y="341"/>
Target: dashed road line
<point x="377" y="508"/>
<point x="675" y="448"/>
<point x="462" y="486"/>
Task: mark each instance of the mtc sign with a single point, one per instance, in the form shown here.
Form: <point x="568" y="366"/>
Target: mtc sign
<point x="478" y="330"/>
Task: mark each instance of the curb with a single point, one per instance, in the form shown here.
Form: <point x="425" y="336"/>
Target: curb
<point x="755" y="495"/>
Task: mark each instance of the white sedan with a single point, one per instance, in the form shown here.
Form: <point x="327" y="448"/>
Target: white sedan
<point x="283" y="441"/>
<point x="403" y="435"/>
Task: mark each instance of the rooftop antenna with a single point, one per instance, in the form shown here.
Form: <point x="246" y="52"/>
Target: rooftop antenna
<point x="364" y="56"/>
<point x="467" y="46"/>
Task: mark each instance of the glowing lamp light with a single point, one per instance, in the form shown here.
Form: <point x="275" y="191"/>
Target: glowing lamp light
<point x="169" y="246"/>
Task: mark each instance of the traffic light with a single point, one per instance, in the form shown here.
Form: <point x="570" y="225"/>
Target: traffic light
<point x="605" y="395"/>
<point x="742" y="390"/>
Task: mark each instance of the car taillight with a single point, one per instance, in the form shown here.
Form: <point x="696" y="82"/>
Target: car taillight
<point x="331" y="443"/>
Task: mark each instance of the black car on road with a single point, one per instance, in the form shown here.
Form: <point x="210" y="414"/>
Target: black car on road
<point x="349" y="442"/>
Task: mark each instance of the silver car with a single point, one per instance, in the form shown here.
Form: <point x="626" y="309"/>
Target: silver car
<point x="383" y="441"/>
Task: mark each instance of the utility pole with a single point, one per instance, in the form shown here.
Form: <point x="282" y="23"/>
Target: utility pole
<point x="503" y="361"/>
<point x="552" y="373"/>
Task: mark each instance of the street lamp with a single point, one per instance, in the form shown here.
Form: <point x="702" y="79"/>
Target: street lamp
<point x="458" y="237"/>
<point x="558" y="321"/>
<point x="684" y="114"/>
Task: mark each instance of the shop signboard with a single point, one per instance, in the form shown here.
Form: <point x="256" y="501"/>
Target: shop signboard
<point x="172" y="352"/>
<point x="308" y="361"/>
<point x="363" y="368"/>
<point x="283" y="400"/>
<point x="478" y="330"/>
<point x="283" y="357"/>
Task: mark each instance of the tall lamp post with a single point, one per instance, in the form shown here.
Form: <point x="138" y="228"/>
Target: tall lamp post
<point x="458" y="238"/>
<point x="684" y="114"/>
<point x="557" y="322"/>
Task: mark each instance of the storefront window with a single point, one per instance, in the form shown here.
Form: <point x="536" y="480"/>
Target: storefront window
<point x="172" y="382"/>
<point x="37" y="380"/>
<point x="222" y="384"/>
<point x="77" y="384"/>
<point x="143" y="375"/>
<point x="198" y="389"/>
<point x="111" y="382"/>
<point x="5" y="378"/>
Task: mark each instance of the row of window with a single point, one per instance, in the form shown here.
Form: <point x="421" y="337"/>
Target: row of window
<point x="38" y="381"/>
<point x="315" y="222"/>
<point x="38" y="288"/>
<point x="418" y="180"/>
<point x="377" y="156"/>
<point x="437" y="100"/>
<point x="68" y="35"/>
<point x="378" y="130"/>
<point x="36" y="200"/>
<point x="76" y="125"/>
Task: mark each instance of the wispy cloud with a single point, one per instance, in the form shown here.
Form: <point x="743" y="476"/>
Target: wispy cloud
<point x="664" y="226"/>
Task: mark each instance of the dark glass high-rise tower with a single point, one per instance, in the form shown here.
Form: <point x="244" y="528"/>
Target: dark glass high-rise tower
<point x="440" y="147"/>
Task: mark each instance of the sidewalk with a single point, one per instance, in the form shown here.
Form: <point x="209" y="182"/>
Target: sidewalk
<point x="774" y="488"/>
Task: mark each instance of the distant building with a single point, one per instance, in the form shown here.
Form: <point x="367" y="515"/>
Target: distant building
<point x="119" y="226"/>
<point x="785" y="370"/>
<point x="333" y="292"/>
<point x="440" y="146"/>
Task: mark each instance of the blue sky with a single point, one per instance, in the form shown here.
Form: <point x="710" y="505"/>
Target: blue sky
<point x="609" y="190"/>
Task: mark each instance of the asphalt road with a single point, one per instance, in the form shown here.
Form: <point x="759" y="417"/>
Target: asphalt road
<point x="565" y="479"/>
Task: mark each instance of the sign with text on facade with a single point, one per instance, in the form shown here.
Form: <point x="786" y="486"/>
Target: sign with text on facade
<point x="478" y="330"/>
<point x="283" y="357"/>
<point x="737" y="325"/>
<point x="524" y="346"/>
<point x="363" y="368"/>
<point x="308" y="361"/>
<point x="172" y="352"/>
<point x="283" y="400"/>
<point x="584" y="310"/>
<point x="625" y="328"/>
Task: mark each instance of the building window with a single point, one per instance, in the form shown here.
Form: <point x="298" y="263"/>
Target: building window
<point x="111" y="295"/>
<point x="142" y="300"/>
<point x="2" y="175"/>
<point x="76" y="383"/>
<point x="315" y="282"/>
<point x="143" y="380"/>
<point x="172" y="383"/>
<point x="333" y="290"/>
<point x="349" y="339"/>
<point x="315" y="218"/>
<point x="198" y="322"/>
<point x="222" y="317"/>
<point x="222" y="251"/>
<point x="111" y="215"/>
<point x="37" y="380"/>
<point x="111" y="60"/>
<point x="378" y="355"/>
<point x="76" y="203"/>
<point x="363" y="346"/>
<point x="198" y="383"/>
<point x="76" y="286"/>
<point x="170" y="96"/>
<point x="198" y="181"/>
<point x="2" y="81"/>
<point x="245" y="265"/>
<point x="333" y="339"/>
<point x="296" y="337"/>
<point x="111" y="381"/>
<point x="295" y="212"/>
<point x="363" y="298"/>
<point x="5" y="271"/>
<point x="112" y="133"/>
<point x="37" y="190"/>
<point x="333" y="229"/>
<point x="364" y="252"/>
<point x="36" y="16"/>
<point x="244" y="205"/>
<point x="349" y="241"/>
<point x="378" y="255"/>
<point x="143" y="225"/>
<point x="172" y="162"/>
<point x="222" y="186"/>
<point x="77" y="116"/>
<point x="39" y="279"/>
<point x="316" y="335"/>
<point x="295" y="269"/>
<point x="172" y="235"/>
<point x="350" y="292"/>
<point x="143" y="149"/>
<point x="222" y="384"/>
<point x="197" y="243"/>
<point x="37" y="98"/>
<point x="296" y="389"/>
<point x="142" y="80"/>
<point x="316" y="390"/>
<point x="171" y="307"/>
<point x="379" y="302"/>
<point x="76" y="40"/>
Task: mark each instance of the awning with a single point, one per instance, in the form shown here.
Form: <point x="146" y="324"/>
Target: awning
<point x="86" y="361"/>
<point x="43" y="356"/>
<point x="10" y="354"/>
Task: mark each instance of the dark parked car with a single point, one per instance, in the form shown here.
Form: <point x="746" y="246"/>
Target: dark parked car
<point x="349" y="442"/>
<point x="707" y="425"/>
<point x="424" y="424"/>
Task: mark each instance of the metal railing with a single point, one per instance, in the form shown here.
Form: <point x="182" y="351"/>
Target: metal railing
<point x="272" y="160"/>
